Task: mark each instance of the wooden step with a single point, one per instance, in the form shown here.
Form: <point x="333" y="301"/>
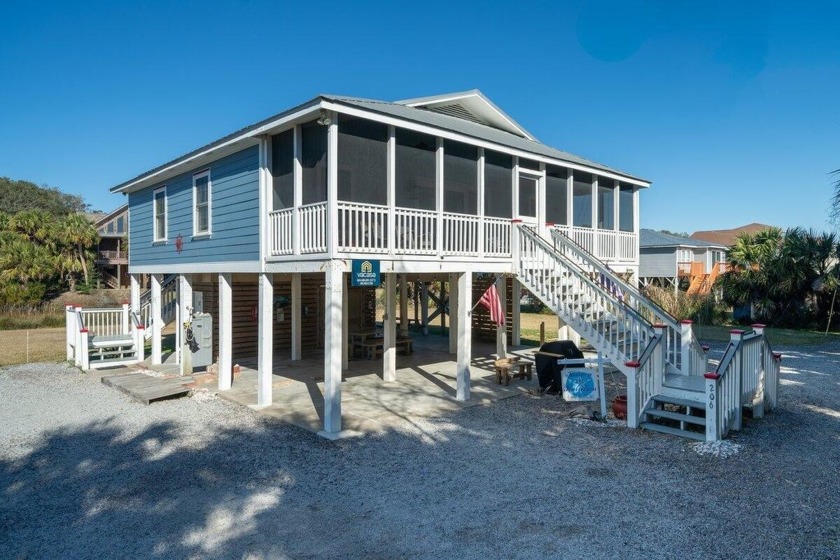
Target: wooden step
<point x="666" y="399"/>
<point x="672" y="431"/>
<point x="677" y="416"/>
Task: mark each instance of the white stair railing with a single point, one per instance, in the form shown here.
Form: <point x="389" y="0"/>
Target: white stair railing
<point x="748" y="374"/>
<point x="613" y="328"/>
<point x="631" y="296"/>
<point x="168" y="304"/>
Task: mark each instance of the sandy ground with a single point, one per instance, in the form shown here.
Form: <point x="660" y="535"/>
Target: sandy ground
<point x="87" y="473"/>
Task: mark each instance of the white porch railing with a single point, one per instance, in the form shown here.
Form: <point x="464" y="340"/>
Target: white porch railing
<point x="416" y="231"/>
<point x="362" y="228"/>
<point x="644" y="378"/>
<point x="282" y="231"/>
<point x="460" y="234"/>
<point x="497" y="237"/>
<point x="313" y="228"/>
<point x="97" y="337"/>
<point x="605" y="245"/>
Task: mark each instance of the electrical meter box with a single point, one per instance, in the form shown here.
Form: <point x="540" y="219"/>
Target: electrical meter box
<point x="202" y="347"/>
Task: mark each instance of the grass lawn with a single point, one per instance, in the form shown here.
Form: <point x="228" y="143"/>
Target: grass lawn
<point x="777" y="337"/>
<point x="36" y="345"/>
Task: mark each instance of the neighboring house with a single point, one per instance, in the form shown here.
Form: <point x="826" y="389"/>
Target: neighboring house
<point x="727" y="237"/>
<point x="111" y="259"/>
<point x="674" y="261"/>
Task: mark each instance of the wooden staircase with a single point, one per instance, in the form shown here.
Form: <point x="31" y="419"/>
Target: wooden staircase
<point x="670" y="389"/>
<point x="168" y="304"/>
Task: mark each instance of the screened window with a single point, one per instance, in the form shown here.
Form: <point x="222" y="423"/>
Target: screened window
<point x="498" y="199"/>
<point x="159" y="203"/>
<point x="110" y="227"/>
<point x="582" y="203"/>
<point x="556" y="195"/>
<point x="283" y="169"/>
<point x="313" y="162"/>
<point x="460" y="178"/>
<point x="606" y="203"/>
<point x="362" y="160"/>
<point x="415" y="170"/>
<point x="201" y="203"/>
<point x="625" y="208"/>
<point x="528" y="196"/>
<point x="120" y="225"/>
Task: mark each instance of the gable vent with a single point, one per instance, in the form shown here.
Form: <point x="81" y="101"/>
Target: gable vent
<point x="456" y="110"/>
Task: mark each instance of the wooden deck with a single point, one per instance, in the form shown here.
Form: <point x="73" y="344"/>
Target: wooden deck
<point x="146" y="388"/>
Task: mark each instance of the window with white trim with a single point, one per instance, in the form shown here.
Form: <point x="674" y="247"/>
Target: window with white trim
<point x="159" y="210"/>
<point x="201" y="203"/>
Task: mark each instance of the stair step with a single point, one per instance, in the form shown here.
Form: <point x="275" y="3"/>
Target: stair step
<point x="678" y="416"/>
<point x="679" y="402"/>
<point x="672" y="431"/>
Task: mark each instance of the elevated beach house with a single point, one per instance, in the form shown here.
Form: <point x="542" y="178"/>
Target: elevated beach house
<point x="280" y="231"/>
<point x="674" y="261"/>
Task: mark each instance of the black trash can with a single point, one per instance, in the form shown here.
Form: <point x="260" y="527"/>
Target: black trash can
<point x="549" y="372"/>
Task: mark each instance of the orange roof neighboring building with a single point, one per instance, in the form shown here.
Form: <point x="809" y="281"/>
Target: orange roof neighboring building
<point x="727" y="237"/>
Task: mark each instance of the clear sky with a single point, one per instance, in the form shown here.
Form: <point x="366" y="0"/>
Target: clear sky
<point x="731" y="108"/>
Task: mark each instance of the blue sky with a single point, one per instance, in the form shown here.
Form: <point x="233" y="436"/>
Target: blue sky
<point x="730" y="108"/>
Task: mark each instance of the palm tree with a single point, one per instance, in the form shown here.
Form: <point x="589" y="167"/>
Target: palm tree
<point x="80" y="234"/>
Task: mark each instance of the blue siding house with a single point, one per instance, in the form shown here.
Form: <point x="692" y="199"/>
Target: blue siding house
<point x="441" y="187"/>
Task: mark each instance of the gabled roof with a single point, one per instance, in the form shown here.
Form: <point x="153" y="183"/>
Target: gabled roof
<point x="472" y="106"/>
<point x="727" y="237"/>
<point x="467" y="113"/>
<point x="103" y="218"/>
<point x="650" y="238"/>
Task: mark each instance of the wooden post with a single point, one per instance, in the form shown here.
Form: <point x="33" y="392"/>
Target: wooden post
<point x="126" y="323"/>
<point x="157" y="319"/>
<point x="225" y="331"/>
<point x="333" y="301"/>
<point x="517" y="320"/>
<point x="134" y="280"/>
<point x="297" y="336"/>
<point x="403" y="303"/>
<point x="633" y="411"/>
<point x="464" y="337"/>
<point x="184" y="314"/>
<point x="501" y="330"/>
<point x="84" y="351"/>
<point x="686" y="363"/>
<point x="424" y="306"/>
<point x="542" y="333"/>
<point x="712" y="407"/>
<point x="454" y="295"/>
<point x="140" y="342"/>
<point x="265" y="340"/>
<point x="69" y="329"/>
<point x="389" y="357"/>
<point x="77" y="330"/>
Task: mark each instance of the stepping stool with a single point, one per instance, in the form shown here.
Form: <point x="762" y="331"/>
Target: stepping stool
<point x="512" y="367"/>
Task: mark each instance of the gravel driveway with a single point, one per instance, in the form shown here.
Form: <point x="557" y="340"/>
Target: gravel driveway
<point x="87" y="473"/>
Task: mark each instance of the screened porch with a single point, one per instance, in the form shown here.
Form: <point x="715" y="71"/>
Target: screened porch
<point x="401" y="192"/>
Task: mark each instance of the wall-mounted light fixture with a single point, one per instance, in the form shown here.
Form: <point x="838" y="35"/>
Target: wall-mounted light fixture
<point x="325" y="119"/>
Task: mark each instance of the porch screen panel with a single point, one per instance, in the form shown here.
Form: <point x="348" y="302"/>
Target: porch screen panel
<point x="460" y="178"/>
<point x="415" y="170"/>
<point x="314" y="162"/>
<point x="529" y="164"/>
<point x="498" y="172"/>
<point x="362" y="160"/>
<point x="625" y="208"/>
<point x="283" y="169"/>
<point x="582" y="202"/>
<point x="606" y="202"/>
<point x="528" y="197"/>
<point x="556" y="195"/>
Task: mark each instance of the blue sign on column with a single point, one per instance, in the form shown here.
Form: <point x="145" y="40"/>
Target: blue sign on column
<point x="365" y="273"/>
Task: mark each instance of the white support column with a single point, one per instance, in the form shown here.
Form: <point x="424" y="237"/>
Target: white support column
<point x="685" y="348"/>
<point x="265" y="338"/>
<point x="297" y="191"/>
<point x="595" y="250"/>
<point x="70" y="330"/>
<point x="501" y="330"/>
<point x="480" y="212"/>
<point x="332" y="185"/>
<point x="296" y="317"/>
<point x="333" y="300"/>
<point x="390" y="188"/>
<point x="517" y="318"/>
<point x="454" y="296"/>
<point x="439" y="196"/>
<point x="265" y="195"/>
<point x="403" y="304"/>
<point x="157" y="319"/>
<point x="389" y="356"/>
<point x="184" y="312"/>
<point x="225" y="331"/>
<point x="126" y="320"/>
<point x="134" y="280"/>
<point x="570" y="198"/>
<point x="464" y="337"/>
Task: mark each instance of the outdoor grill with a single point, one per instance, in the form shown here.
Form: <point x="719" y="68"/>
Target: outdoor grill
<point x="548" y="370"/>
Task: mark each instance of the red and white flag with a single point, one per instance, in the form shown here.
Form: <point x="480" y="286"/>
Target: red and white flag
<point x="490" y="299"/>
